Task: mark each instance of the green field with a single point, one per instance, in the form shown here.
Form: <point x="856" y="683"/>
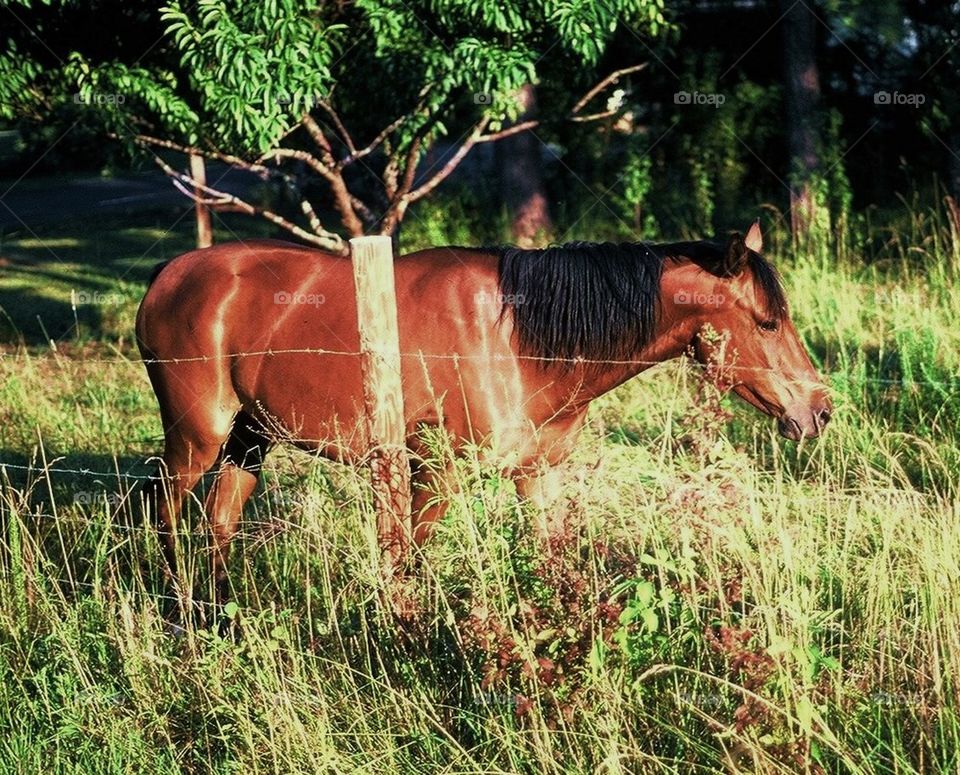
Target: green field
<point x="721" y="599"/>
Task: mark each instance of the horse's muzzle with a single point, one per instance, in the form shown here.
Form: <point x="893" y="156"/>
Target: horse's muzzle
<point x="806" y="424"/>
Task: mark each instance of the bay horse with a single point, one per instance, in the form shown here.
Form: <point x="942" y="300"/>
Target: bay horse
<point x="249" y="344"/>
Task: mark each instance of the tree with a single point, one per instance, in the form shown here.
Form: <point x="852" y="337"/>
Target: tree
<point x="356" y="94"/>
<point x="521" y="177"/>
<point x="802" y="95"/>
<point x="938" y="57"/>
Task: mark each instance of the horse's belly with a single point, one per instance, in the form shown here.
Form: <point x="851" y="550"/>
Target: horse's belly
<point x="313" y="400"/>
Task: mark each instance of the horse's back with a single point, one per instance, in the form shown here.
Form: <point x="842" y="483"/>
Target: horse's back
<point x="212" y="287"/>
<point x="206" y="271"/>
<point x="284" y="267"/>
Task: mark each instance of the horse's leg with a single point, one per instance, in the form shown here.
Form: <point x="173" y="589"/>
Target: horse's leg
<point x="542" y="488"/>
<point x="540" y="479"/>
<point x="236" y="480"/>
<point x="197" y="408"/>
<point x="187" y="456"/>
<point x="429" y="502"/>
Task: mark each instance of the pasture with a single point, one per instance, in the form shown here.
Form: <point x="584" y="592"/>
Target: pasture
<point x="719" y="599"/>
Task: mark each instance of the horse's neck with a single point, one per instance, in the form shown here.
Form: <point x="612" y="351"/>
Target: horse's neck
<point x="674" y="333"/>
<point x="602" y="378"/>
<point x="672" y="339"/>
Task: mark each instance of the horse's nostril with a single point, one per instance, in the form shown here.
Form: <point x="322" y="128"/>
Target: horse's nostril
<point x="823" y="416"/>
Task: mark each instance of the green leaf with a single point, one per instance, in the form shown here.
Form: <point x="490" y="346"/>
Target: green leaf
<point x="651" y="621"/>
<point x="645" y="593"/>
<point x="805" y="714"/>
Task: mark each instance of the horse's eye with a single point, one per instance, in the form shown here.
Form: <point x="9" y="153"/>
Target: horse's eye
<point x="769" y="325"/>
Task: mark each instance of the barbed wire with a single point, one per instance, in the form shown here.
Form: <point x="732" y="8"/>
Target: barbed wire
<point x="126" y="476"/>
<point x="81" y="471"/>
<point x="456" y="357"/>
<point x="250" y="527"/>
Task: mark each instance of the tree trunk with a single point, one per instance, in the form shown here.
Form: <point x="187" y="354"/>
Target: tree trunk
<point x="802" y="103"/>
<point x="954" y="181"/>
<point x="198" y="171"/>
<point x="953" y="194"/>
<point x="521" y="174"/>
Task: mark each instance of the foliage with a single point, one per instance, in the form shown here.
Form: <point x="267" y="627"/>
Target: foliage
<point x="633" y="202"/>
<point x="254" y="68"/>
<point x="290" y="82"/>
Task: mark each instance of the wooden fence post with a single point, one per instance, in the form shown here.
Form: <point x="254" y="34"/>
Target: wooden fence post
<point x="372" y="259"/>
<point x="198" y="171"/>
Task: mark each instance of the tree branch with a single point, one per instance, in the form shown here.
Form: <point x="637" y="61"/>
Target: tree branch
<point x="389" y="130"/>
<point x="523" y="126"/>
<point x="330" y="175"/>
<point x="326" y="240"/>
<point x="615" y="76"/>
<point x="316" y="133"/>
<point x="347" y="139"/>
<point x="451" y="164"/>
<point x="399" y="203"/>
<point x="305" y="156"/>
<point x="313" y="129"/>
<point x="594" y="116"/>
<point x="343" y="200"/>
<point x="226" y="158"/>
<point x="374" y="144"/>
<point x="400" y="193"/>
<point x="477" y="136"/>
<point x="312" y="218"/>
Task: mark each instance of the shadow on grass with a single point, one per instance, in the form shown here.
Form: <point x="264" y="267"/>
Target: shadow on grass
<point x="81" y="479"/>
<point x="83" y="278"/>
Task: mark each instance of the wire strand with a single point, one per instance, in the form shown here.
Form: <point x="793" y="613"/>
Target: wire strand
<point x="954" y="383"/>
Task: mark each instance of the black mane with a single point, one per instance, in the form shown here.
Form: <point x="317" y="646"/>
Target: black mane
<point x="599" y="301"/>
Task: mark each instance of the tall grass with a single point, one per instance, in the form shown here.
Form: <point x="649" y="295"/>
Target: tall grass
<point x="719" y="600"/>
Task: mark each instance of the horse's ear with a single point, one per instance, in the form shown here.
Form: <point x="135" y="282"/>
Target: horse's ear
<point x="734" y="256"/>
<point x="754" y="238"/>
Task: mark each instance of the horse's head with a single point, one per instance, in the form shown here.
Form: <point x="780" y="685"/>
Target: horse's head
<point x="770" y="367"/>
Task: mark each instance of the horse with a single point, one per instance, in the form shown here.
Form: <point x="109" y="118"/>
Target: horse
<point x="250" y="344"/>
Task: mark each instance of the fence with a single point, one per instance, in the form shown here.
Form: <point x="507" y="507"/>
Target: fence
<point x="418" y="356"/>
